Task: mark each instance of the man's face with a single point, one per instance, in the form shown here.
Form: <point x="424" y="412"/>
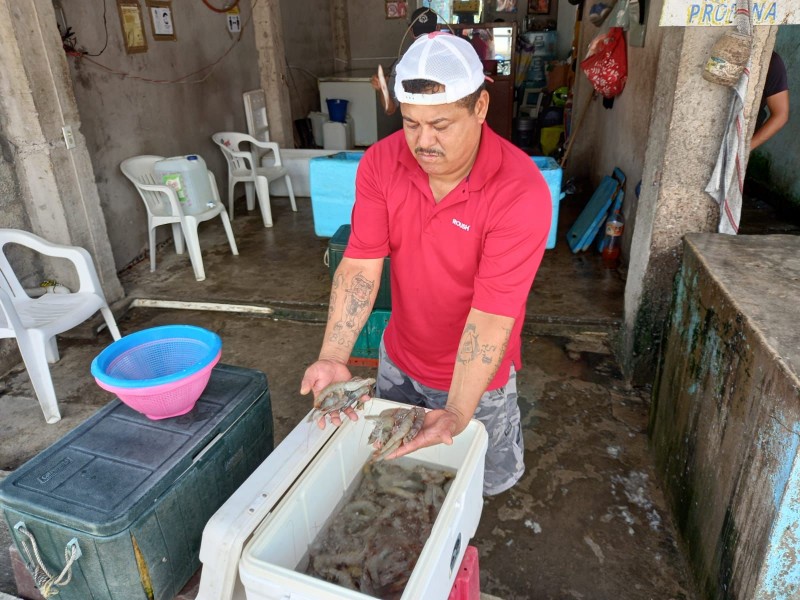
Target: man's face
<point x="444" y="137"/>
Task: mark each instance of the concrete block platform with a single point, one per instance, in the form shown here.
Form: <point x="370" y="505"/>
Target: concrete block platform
<point x="725" y="421"/>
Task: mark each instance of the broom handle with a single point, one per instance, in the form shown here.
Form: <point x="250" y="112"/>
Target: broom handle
<point x="574" y="133"/>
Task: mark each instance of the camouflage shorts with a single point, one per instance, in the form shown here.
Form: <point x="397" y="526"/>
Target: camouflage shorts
<point x="498" y="411"/>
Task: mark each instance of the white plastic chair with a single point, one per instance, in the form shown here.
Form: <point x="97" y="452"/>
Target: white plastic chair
<point x="243" y="167"/>
<point x="36" y="322"/>
<point x="163" y="207"/>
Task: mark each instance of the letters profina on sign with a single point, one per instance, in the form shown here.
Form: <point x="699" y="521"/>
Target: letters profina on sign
<point x="722" y="12"/>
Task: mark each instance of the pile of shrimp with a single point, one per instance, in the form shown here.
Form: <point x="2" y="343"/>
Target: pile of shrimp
<point x="372" y="544"/>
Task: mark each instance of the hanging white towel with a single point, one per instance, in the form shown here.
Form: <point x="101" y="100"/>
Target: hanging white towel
<point x="727" y="180"/>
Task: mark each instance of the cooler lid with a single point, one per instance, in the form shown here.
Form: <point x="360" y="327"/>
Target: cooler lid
<point x="105" y="473"/>
<point x="339" y="239"/>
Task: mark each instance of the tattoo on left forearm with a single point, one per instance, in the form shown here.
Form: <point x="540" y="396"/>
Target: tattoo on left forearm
<point x="472" y="349"/>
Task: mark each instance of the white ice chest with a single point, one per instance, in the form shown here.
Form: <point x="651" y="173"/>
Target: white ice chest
<point x="253" y="543"/>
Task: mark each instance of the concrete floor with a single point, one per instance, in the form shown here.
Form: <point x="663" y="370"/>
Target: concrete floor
<point x="586" y="521"/>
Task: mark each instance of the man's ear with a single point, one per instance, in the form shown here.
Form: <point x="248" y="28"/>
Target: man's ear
<point x="482" y="106"/>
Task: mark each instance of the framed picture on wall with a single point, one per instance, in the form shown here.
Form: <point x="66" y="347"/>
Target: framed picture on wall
<point x="161" y="19"/>
<point x="505" y="6"/>
<point x="538" y="7"/>
<point x="396" y="10"/>
<point x="130" y="18"/>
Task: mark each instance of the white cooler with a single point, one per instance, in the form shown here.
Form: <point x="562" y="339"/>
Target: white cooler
<point x="253" y="543"/>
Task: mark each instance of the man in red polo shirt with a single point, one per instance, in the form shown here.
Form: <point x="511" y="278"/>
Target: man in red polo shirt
<point x="465" y="217"/>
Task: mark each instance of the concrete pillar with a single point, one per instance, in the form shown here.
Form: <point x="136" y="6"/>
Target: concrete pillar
<point x="688" y="119"/>
<point x="341" y="35"/>
<point x="268" y="28"/>
<point x="57" y="185"/>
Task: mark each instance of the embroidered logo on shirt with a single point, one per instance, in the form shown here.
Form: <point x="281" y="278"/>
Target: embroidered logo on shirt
<point x="463" y="226"/>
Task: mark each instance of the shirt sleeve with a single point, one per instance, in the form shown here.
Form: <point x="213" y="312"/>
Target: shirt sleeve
<point x="513" y="250"/>
<point x="777" y="79"/>
<point x="369" y="236"/>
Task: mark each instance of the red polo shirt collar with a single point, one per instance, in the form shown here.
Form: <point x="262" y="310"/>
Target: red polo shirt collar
<point x="487" y="163"/>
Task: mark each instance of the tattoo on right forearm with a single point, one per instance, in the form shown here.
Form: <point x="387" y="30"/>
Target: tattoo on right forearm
<point x="354" y="310"/>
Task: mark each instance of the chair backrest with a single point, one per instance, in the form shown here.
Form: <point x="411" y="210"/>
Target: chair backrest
<point x="140" y="171"/>
<point x="255" y="111"/>
<point x="231" y="141"/>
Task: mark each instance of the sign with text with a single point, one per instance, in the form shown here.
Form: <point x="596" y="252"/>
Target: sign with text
<point x="722" y="12"/>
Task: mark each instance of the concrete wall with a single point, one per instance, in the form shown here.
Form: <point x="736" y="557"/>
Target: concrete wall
<point x="687" y="123"/>
<point x="374" y="39"/>
<point x="779" y="154"/>
<point x="725" y="421"/>
<point x="123" y="116"/>
<point x="309" y="51"/>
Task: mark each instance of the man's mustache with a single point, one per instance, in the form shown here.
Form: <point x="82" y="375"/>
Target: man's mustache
<point x="428" y="151"/>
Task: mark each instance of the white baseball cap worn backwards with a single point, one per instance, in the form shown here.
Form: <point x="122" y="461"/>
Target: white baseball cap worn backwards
<point x="444" y="58"/>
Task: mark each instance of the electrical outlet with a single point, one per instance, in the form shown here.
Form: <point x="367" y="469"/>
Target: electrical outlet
<point x="69" y="139"/>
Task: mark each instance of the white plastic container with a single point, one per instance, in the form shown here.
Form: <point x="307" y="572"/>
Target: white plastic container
<point x="281" y="541"/>
<point x="188" y="176"/>
<point x="318" y="119"/>
<point x="306" y="472"/>
<point x="296" y="161"/>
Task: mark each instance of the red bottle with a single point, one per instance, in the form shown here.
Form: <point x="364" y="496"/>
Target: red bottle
<point x="612" y="242"/>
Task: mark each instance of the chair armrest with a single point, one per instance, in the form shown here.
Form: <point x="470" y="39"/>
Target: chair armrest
<point x="79" y="257"/>
<point x="273" y="146"/>
<point x="246" y="156"/>
<point x="164" y="189"/>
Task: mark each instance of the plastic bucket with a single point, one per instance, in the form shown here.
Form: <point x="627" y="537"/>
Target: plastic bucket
<point x="337" y="109"/>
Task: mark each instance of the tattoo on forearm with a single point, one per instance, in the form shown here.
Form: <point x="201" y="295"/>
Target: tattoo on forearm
<point x="354" y="309"/>
<point x="472" y="349"/>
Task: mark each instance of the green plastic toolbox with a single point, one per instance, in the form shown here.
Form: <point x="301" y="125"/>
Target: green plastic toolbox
<point x="127" y="498"/>
<point x="336" y="247"/>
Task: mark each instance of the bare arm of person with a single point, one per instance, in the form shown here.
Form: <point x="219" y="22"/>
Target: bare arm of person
<point x="778" y="105"/>
<point x="481" y="350"/>
<point x="353" y="292"/>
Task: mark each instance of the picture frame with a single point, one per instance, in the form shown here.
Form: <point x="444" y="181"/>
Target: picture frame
<point x="396" y="9"/>
<point x="162" y="22"/>
<point x="538" y="7"/>
<point x="130" y="19"/>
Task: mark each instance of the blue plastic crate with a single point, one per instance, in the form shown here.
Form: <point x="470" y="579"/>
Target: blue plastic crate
<point x="552" y="175"/>
<point x="333" y="190"/>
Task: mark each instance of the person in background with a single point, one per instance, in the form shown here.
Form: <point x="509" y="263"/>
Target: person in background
<point x="480" y="45"/>
<point x="423" y="20"/>
<point x="775" y="101"/>
<point x="464" y="216"/>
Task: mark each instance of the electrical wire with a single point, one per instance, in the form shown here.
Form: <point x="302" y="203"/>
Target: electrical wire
<point x="82" y="56"/>
<point x="221" y="10"/>
<point x="411" y="25"/>
<point x="105" y="26"/>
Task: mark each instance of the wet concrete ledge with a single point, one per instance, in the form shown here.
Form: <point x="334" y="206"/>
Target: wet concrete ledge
<point x="725" y="421"/>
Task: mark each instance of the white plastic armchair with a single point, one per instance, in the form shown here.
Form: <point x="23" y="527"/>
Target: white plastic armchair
<point x="163" y="208"/>
<point x="35" y="322"/>
<point x="240" y="153"/>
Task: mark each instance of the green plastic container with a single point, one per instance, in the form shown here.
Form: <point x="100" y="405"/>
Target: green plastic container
<point x="336" y="248"/>
<point x="369" y="339"/>
<point x="121" y="484"/>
